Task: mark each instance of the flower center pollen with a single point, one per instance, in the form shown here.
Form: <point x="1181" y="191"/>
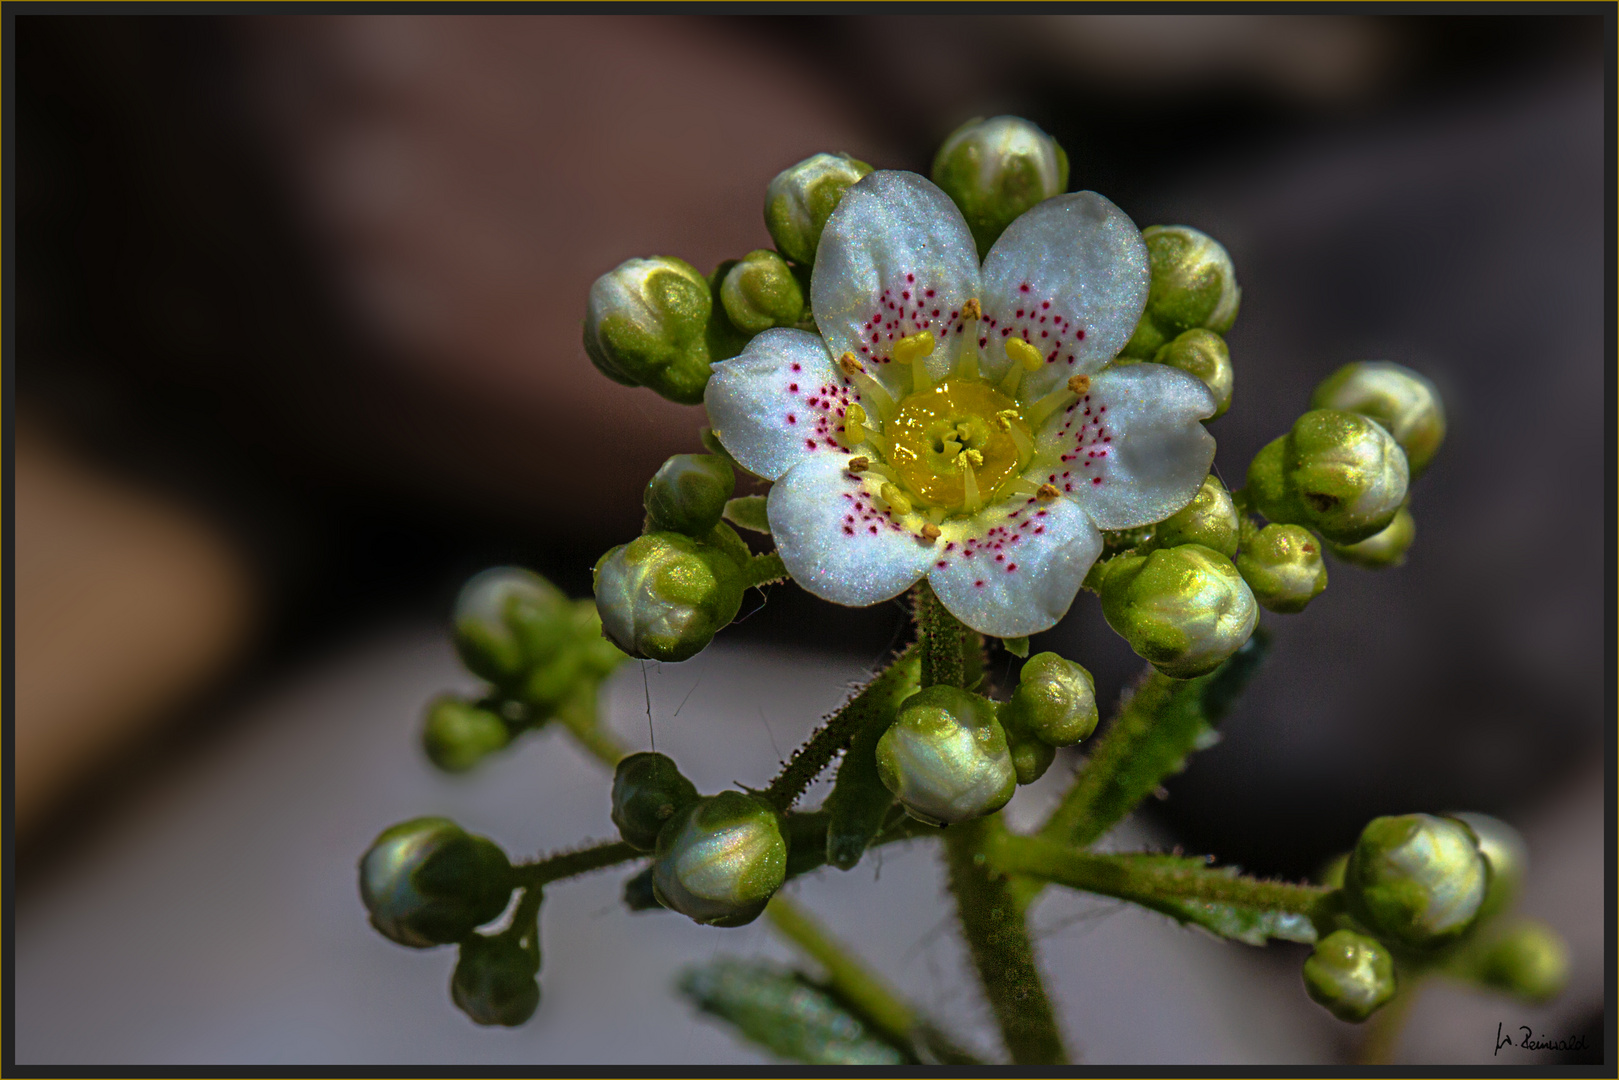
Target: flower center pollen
<point x="955" y="444"/>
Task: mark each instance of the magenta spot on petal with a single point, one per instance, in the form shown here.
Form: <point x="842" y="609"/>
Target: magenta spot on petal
<point x="978" y="584"/>
<point x="796" y="367"/>
<point x="791" y="419"/>
<point x="810" y="443"/>
<point x="1096" y="479"/>
<point x="1023" y="287"/>
<point x="1011" y="567"/>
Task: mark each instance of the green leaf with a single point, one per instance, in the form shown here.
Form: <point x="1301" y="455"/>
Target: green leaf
<point x="1249" y="925"/>
<point x="785" y="1013"/>
<point x="858" y="802"/>
<point x="748" y="512"/>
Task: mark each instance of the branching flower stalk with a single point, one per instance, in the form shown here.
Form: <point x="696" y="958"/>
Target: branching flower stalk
<point x="987" y="392"/>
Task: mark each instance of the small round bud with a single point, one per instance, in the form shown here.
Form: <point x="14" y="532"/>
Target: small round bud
<point x="801" y="198"/>
<point x="1528" y="960"/>
<point x="1402" y="401"/>
<point x="1183" y="609"/>
<point x="1348" y="475"/>
<point x="720" y="859"/>
<point x="459" y="734"/>
<point x="1383" y="549"/>
<point x="1202" y="353"/>
<point x="494" y="981"/>
<point x="1283" y="566"/>
<point x="664" y="596"/>
<point x="505" y="620"/>
<point x="1417" y="879"/>
<point x="1194" y="284"/>
<point x="1350" y="974"/>
<point x="1209" y="519"/>
<point x="1503" y="848"/>
<point x="427" y="882"/>
<point x="996" y="169"/>
<point x="1030" y="757"/>
<point x="646" y="324"/>
<point x="1055" y="700"/>
<point x="945" y="757"/>
<point x="1267" y="491"/>
<point x="648" y="789"/>
<point x="762" y="291"/>
<point x="688" y="493"/>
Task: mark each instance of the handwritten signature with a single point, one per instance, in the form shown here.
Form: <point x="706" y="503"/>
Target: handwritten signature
<point x="1530" y="1041"/>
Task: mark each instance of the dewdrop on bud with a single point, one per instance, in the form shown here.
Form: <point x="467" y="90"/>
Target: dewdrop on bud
<point x="1349" y="974"/>
<point x="458" y="734"/>
<point x="1209" y="519"/>
<point x="1055" y="700"/>
<point x="648" y="790"/>
<point x="1347" y="475"/>
<point x="1282" y="565"/>
<point x="1402" y="401"/>
<point x="664" y="596"/>
<point x="1204" y="354"/>
<point x="505" y="619"/>
<point x="761" y="291"/>
<point x="945" y="757"/>
<point x="1182" y="609"/>
<point x="1418" y="880"/>
<point x="996" y="169"/>
<point x="801" y="198"/>
<point x="688" y="493"/>
<point x="720" y="859"/>
<point x="427" y="882"/>
<point x="494" y="981"/>
<point x="646" y="324"/>
<point x="1383" y="549"/>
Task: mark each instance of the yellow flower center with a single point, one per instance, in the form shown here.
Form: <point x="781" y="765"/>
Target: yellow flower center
<point x="955" y="444"/>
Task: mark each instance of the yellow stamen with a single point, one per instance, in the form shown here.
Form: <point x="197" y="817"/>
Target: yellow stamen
<point x="851" y="365"/>
<point x="914" y="347"/>
<point x="930" y="532"/>
<point x="859" y="464"/>
<point x="1047" y="493"/>
<point x="871" y="391"/>
<point x="895" y="498"/>
<point x="1024" y="355"/>
<point x="1080" y="384"/>
<point x="1004" y="418"/>
<point x="971" y="500"/>
<point x="974" y="458"/>
<point x="854" y="426"/>
<point x="971" y="309"/>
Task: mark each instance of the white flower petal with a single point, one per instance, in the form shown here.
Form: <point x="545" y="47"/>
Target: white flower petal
<point x="778" y="402"/>
<point x="836" y="539"/>
<point x="1014" y="569"/>
<point x="1132" y="450"/>
<point x="1069" y="277"/>
<point x="896" y="258"/>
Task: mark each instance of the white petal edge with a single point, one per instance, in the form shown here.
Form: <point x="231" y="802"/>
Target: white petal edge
<point x="893" y="234"/>
<point x="1070" y="277"/>
<point x="1133" y="450"/>
<point x="835" y="539"/>
<point x="1018" y="575"/>
<point x="778" y="402"/>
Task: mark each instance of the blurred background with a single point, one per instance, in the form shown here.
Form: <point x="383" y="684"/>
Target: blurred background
<point x="296" y="319"/>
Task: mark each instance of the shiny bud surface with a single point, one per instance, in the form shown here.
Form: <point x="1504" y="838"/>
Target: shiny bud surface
<point x="494" y="981"/>
<point x="648" y="790"/>
<point x="664" y="596"/>
<point x="1209" y="519"/>
<point x="1384" y="549"/>
<point x="1194" y="284"/>
<point x="1283" y="567"/>
<point x="427" y="882"/>
<point x="647" y="323"/>
<point x="1504" y="849"/>
<point x="801" y="198"/>
<point x="1402" y="401"/>
<point x="688" y="493"/>
<point x="1202" y="353"/>
<point x="1348" y="475"/>
<point x="1267" y="490"/>
<point x="1182" y="609"/>
<point x="505" y="618"/>
<point x="720" y="859"/>
<point x="1055" y="700"/>
<point x="459" y="734"/>
<point x="1416" y="879"/>
<point x="1528" y="960"/>
<point x="1349" y="974"/>
<point x="760" y="291"/>
<point x="996" y="169"/>
<point x="945" y="757"/>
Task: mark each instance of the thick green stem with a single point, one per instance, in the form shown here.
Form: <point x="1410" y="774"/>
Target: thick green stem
<point x="940" y="636"/>
<point x="998" y="939"/>
<point x="578" y="714"/>
<point x="568" y="864"/>
<point x="873" y="701"/>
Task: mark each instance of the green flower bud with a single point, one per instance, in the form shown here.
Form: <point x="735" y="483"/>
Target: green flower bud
<point x="1350" y="974"/>
<point x="801" y="198"/>
<point x="945" y="757"/>
<point x="1055" y="700"/>
<point x="720" y="859"/>
<point x="1202" y="353"/>
<point x="1146" y="341"/>
<point x="1528" y="960"/>
<point x="1283" y="566"/>
<point x="1349" y="476"/>
<point x="459" y="734"/>
<point x="688" y="493"/>
<point x="664" y="596"/>
<point x="1267" y="490"/>
<point x="1402" y="401"/>
<point x="1383" y="549"/>
<point x="427" y="882"/>
<point x="1209" y="519"/>
<point x="1194" y="284"/>
<point x="1183" y="609"/>
<point x="494" y="981"/>
<point x="506" y="619"/>
<point x="598" y="657"/>
<point x="996" y="169"/>
<point x="647" y="324"/>
<point x="1417" y="880"/>
<point x="647" y="791"/>
<point x="762" y="291"/>
<point x="1503" y="848"/>
<point x="1030" y="756"/>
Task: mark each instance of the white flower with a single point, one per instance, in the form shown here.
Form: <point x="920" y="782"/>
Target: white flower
<point x="955" y="422"/>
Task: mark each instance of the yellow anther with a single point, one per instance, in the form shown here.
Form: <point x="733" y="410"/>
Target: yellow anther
<point x="851" y="365"/>
<point x="1021" y="352"/>
<point x="854" y="425"/>
<point x="854" y="414"/>
<point x="1004" y="418"/>
<point x="930" y="532"/>
<point x="1080" y="384"/>
<point x="974" y="458"/>
<point x="895" y="498"/>
<point x="971" y="309"/>
<point x="914" y="347"/>
<point x="859" y="464"/>
<point x="1047" y="493"/>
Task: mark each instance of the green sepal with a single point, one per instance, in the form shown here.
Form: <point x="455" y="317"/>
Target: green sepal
<point x="1251" y="926"/>
<point x="1017" y="646"/>
<point x="638" y="894"/>
<point x="859" y="802"/>
<point x="748" y="512"/>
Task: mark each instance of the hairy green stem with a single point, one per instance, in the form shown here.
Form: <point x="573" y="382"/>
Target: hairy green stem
<point x="578" y="714"/>
<point x="568" y="864"/>
<point x="940" y="635"/>
<point x="763" y="570"/>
